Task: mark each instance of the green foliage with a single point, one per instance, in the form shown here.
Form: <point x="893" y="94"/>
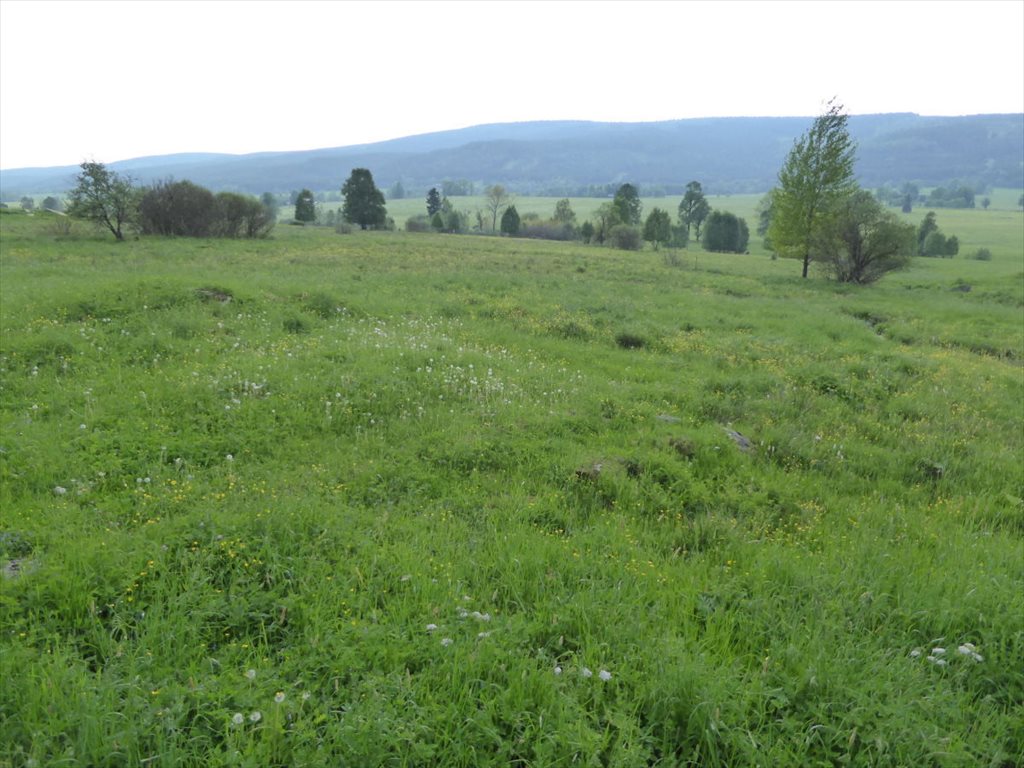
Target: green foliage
<point x="305" y="207"/>
<point x="51" y="203"/>
<point x="586" y="231"/>
<point x="397" y="191"/>
<point x="364" y="203"/>
<point x="954" y="197"/>
<point x="28" y="203"/>
<point x="433" y="202"/>
<point x="863" y="242"/>
<point x="814" y="179"/>
<point x="625" y="238"/>
<point x="658" y="228"/>
<point x="725" y="232"/>
<point x="627" y="206"/>
<point x="510" y="221"/>
<point x="693" y="209"/>
<point x="564" y="213"/>
<point x="103" y="197"/>
<point x="931" y="241"/>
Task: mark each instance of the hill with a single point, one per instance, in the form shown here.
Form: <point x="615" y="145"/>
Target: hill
<point x="728" y="155"/>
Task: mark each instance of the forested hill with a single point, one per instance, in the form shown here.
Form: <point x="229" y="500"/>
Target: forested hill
<point x="727" y="155"/>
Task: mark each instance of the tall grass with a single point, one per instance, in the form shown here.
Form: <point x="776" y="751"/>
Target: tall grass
<point x="388" y="499"/>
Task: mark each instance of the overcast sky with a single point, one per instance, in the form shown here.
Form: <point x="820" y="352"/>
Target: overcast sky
<point x="115" y="80"/>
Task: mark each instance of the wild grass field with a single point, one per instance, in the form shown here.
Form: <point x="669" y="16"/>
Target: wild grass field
<point x="387" y="499"/>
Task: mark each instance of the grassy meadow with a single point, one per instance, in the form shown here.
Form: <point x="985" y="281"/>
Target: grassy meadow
<point x="386" y="499"/>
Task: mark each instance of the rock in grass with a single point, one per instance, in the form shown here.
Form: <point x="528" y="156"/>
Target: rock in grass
<point x="741" y="442"/>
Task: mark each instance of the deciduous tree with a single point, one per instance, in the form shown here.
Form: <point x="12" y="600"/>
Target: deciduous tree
<point x="862" y="241"/>
<point x="816" y="176"/>
<point x="364" y="203"/>
<point x="693" y="208"/>
<point x="658" y="228"/>
<point x="496" y="199"/>
<point x="725" y="232"/>
<point x="104" y="197"/>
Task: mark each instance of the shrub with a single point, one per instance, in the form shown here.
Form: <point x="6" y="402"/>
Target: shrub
<point x="725" y="232"/>
<point x="538" y="229"/>
<point x="982" y="254"/>
<point x="628" y="340"/>
<point x="418" y="223"/>
<point x="625" y="237"/>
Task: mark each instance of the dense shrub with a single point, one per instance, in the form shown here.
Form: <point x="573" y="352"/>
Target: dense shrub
<point x="625" y="237"/>
<point x="982" y="254"/>
<point x="725" y="232"/>
<point x="418" y="223"/>
<point x="184" y="209"/>
<point x="549" y="229"/>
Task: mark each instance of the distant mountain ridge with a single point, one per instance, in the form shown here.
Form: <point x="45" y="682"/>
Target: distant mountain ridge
<point x="727" y="155"/>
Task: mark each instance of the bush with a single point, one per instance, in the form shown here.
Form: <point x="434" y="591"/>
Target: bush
<point x="537" y="229"/>
<point x="418" y="223"/>
<point x="628" y="340"/>
<point x="625" y="237"/>
<point x="982" y="254"/>
<point x="725" y="232"/>
<point x="343" y="228"/>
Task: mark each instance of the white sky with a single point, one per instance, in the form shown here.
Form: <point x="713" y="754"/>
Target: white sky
<point x="114" y="80"/>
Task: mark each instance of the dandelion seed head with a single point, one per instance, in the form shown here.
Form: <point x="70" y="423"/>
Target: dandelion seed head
<point x="605" y="675"/>
<point x="251" y="674"/>
<point x="238" y="718"/>
<point x="306" y="695"/>
<point x="586" y="672"/>
<point x="558" y="670"/>
<point x="279" y="697"/>
<point x="255" y="716"/>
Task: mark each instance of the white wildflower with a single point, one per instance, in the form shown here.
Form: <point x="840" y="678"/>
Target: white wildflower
<point x="238" y="718"/>
<point x="586" y="672"/>
<point x="60" y="490"/>
<point x="938" y="651"/>
<point x="446" y="641"/>
<point x="255" y="716"/>
<point x="251" y="674"/>
<point x="431" y="627"/>
<point x="558" y="670"/>
<point x="279" y="697"/>
<point x="916" y="653"/>
<point x="484" y="634"/>
<point x="306" y="695"/>
<point x="229" y="457"/>
<point x="605" y="675"/>
<point x="936" y="661"/>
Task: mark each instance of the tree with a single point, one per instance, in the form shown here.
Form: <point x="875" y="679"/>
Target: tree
<point x="693" y="208"/>
<point x="433" y="202"/>
<point x="510" y="221"/>
<point x="177" y="209"/>
<point x="1020" y="201"/>
<point x="564" y="214"/>
<point x="862" y="241"/>
<point x="815" y="177"/>
<point x="587" y="231"/>
<point x="725" y="233"/>
<point x="364" y="203"/>
<point x="305" y="206"/>
<point x="985" y="203"/>
<point x="627" y="204"/>
<point x="270" y="203"/>
<point x="495" y="200"/>
<point x="27" y="203"/>
<point x="397" y="191"/>
<point x="928" y="226"/>
<point x="764" y="211"/>
<point x="625" y="237"/>
<point x="658" y="228"/>
<point x="607" y="217"/>
<point x="104" y="197"/>
<point x="52" y="204"/>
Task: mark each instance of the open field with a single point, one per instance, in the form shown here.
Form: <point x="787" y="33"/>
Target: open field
<point x="420" y="500"/>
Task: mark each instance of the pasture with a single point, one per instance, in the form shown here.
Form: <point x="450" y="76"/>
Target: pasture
<point x="424" y="500"/>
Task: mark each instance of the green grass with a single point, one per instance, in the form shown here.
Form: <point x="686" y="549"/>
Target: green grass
<point x="379" y="488"/>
